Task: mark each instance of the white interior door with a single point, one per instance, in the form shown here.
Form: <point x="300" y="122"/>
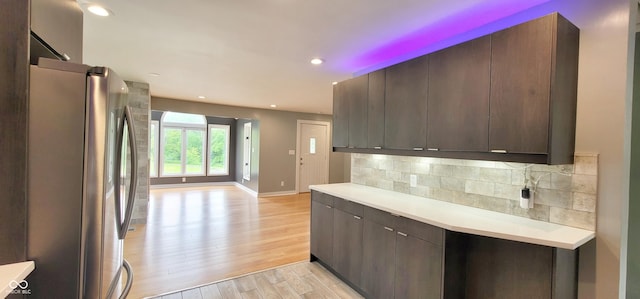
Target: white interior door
<point x="313" y="160"/>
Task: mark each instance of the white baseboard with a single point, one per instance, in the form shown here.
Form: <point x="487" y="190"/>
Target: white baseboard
<point x="246" y="189"/>
<point x="211" y="184"/>
<point x="279" y="193"/>
<point x="191" y="185"/>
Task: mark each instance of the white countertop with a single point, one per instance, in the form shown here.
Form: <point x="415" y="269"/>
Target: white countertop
<point x="13" y="274"/>
<point x="459" y="218"/>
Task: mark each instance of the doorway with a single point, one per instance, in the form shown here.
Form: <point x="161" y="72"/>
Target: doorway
<point x="312" y="156"/>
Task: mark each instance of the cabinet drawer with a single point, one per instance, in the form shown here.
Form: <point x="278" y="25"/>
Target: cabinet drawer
<point x="322" y="198"/>
<point x="420" y="230"/>
<point x="347" y="206"/>
<point x="380" y="217"/>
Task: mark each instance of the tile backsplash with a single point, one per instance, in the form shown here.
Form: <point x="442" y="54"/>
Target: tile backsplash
<point x="563" y="194"/>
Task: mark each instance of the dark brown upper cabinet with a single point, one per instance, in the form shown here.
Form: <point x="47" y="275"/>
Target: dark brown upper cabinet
<point x="340" y="135"/>
<point x="534" y="69"/>
<point x="375" y="117"/>
<point x="350" y="113"/>
<point x="59" y="24"/>
<point x="358" y="89"/>
<point x="405" y="105"/>
<point x="508" y="96"/>
<point x="458" y="101"/>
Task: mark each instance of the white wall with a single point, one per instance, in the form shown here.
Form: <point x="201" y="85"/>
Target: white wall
<point x="604" y="96"/>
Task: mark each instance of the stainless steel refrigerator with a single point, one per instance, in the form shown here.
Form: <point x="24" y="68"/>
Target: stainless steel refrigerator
<point x="81" y="181"/>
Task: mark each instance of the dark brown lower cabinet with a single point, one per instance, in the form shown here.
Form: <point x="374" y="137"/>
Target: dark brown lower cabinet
<point x="378" y="260"/>
<point x="347" y="245"/>
<point x="386" y="256"/>
<point x="418" y="268"/>
<point x="499" y="269"/>
<point x="322" y="230"/>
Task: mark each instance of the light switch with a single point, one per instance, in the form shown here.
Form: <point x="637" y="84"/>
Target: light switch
<point x="292" y="152"/>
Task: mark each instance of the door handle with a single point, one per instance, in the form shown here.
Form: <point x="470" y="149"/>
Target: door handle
<point x="127" y="287"/>
<point x="123" y="225"/>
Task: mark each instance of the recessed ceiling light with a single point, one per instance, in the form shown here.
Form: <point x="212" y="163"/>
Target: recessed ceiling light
<point x="202" y="97"/>
<point x="154" y="74"/>
<point x="334" y="83"/>
<point x="273" y="106"/>
<point x="317" y="61"/>
<point x="98" y="10"/>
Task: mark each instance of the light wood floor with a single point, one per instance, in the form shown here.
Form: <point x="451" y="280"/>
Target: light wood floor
<point x="300" y="280"/>
<point x="198" y="236"/>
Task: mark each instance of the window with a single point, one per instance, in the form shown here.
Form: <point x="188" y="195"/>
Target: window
<point x="183" y="144"/>
<point x="312" y="145"/>
<point x="195" y="151"/>
<point x="218" y="150"/>
<point x="188" y="146"/>
<point x="153" y="149"/>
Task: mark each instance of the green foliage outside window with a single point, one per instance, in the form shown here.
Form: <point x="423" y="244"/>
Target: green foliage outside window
<point x="217" y="149"/>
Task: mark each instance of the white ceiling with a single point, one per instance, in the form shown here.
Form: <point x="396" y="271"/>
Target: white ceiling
<point x="254" y="52"/>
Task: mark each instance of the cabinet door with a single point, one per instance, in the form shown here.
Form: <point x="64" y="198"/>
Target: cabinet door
<point x="520" y="80"/>
<point x="405" y="110"/>
<point x="340" y="136"/>
<point x="418" y="268"/>
<point x="458" y="101"/>
<point x="322" y="231"/>
<point x="378" y="260"/>
<point x="357" y="90"/>
<point x="59" y="23"/>
<point x="375" y="117"/>
<point x="347" y="245"/>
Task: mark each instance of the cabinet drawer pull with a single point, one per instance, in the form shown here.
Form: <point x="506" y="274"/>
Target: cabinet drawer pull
<point x="402" y="234"/>
<point x="499" y="151"/>
<point x="357" y="217"/>
<point x="377" y="147"/>
<point x="433" y="149"/>
<point x="418" y="148"/>
<point x="328" y="206"/>
<point x="388" y="228"/>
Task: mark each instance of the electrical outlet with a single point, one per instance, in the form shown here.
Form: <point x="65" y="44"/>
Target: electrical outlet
<point x="184" y="180"/>
<point x="281" y="183"/>
<point x="413" y="180"/>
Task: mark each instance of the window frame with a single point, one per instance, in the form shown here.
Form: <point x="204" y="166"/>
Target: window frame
<point x="155" y="133"/>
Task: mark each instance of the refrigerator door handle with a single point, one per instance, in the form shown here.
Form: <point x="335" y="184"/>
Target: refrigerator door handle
<point x="134" y="171"/>
<point x="127" y="287"/>
<point x="123" y="225"/>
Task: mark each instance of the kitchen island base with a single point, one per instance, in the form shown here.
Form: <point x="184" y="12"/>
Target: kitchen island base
<point x="404" y="258"/>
